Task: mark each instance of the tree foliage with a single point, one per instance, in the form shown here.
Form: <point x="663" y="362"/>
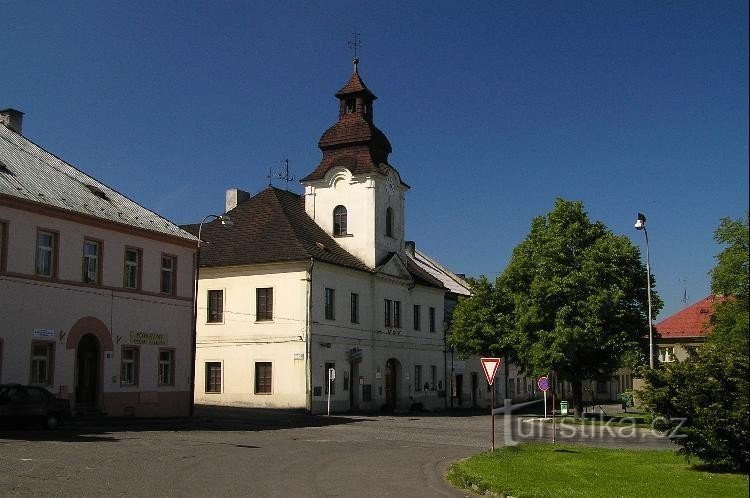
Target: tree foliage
<point x="711" y="390"/>
<point x="572" y="300"/>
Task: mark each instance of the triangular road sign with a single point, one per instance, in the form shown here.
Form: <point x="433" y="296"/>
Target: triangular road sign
<point x="490" y="365"/>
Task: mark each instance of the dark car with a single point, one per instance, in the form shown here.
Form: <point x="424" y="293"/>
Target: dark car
<point x="22" y="404"/>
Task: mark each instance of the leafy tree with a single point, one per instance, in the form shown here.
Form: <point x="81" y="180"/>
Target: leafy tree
<point x="711" y="390"/>
<point x="572" y="300"/>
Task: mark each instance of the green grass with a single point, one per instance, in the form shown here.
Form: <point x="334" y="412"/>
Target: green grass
<point x="625" y="420"/>
<point x="546" y="470"/>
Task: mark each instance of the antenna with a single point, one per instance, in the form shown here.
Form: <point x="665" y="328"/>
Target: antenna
<point x="282" y="175"/>
<point x="355" y="45"/>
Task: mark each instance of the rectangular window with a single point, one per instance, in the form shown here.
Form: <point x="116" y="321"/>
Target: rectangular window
<point x="263" y="377"/>
<point x="132" y="271"/>
<point x="215" y="306"/>
<point x="166" y="367"/>
<point x="397" y="314"/>
<point x="433" y="377"/>
<point x="46" y="248"/>
<point x="3" y="246"/>
<point x="330" y="304"/>
<point x="388" y="309"/>
<point x="601" y="386"/>
<point x="168" y="274"/>
<point x="42" y="363"/>
<point x="417" y="317"/>
<point x="666" y="354"/>
<point x="129" y="366"/>
<point x="264" y="304"/>
<point x="213" y="376"/>
<point x="330" y="366"/>
<point x="91" y="260"/>
<point x="417" y="377"/>
<point x="432" y="319"/>
<point x="355" y="308"/>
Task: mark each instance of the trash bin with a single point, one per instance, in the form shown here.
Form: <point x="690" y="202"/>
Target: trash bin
<point x="563" y="408"/>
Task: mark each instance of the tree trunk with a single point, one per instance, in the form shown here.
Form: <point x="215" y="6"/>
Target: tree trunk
<point x="577" y="398"/>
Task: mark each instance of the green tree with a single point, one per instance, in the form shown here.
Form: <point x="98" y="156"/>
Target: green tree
<point x="572" y="300"/>
<point x="711" y="390"/>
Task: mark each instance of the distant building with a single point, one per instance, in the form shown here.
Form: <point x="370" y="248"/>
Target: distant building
<point x="97" y="289"/>
<point x="687" y="329"/>
<point x="302" y="285"/>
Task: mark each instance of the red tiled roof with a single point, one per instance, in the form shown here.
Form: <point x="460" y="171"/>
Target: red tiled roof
<point x="692" y="321"/>
<point x="355" y="85"/>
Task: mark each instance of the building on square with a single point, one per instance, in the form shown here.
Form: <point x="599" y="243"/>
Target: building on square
<point x="97" y="289"/>
<point x="301" y="285"/>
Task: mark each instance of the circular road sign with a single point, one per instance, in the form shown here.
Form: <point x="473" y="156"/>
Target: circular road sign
<point x="543" y="383"/>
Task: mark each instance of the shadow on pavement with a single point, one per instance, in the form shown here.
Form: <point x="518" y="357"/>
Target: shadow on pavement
<point x="206" y="418"/>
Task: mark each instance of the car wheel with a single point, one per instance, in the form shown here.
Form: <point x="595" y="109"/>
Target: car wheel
<point x="52" y="421"/>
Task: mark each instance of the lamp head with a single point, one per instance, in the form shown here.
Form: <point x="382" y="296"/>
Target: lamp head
<point x="640" y="223"/>
<point x="226" y="220"/>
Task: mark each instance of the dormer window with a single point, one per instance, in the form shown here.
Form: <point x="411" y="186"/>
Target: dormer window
<point x="351" y="106"/>
<point x="389" y="222"/>
<point x="339" y="220"/>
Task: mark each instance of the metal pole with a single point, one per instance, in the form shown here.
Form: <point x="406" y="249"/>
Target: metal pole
<point x="648" y="286"/>
<point x="545" y="405"/>
<point x="492" y="415"/>
<point x="329" y="392"/>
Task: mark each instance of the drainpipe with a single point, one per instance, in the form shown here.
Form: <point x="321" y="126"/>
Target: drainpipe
<point x="308" y="346"/>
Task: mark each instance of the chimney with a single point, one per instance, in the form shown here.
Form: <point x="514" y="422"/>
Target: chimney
<point x="235" y="197"/>
<point x="12" y="118"/>
<point x="410" y="247"/>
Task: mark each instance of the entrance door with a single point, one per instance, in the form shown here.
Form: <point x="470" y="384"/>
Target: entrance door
<point x="87" y="371"/>
<point x="354" y="386"/>
<point x="390" y="383"/>
<point x="460" y="388"/>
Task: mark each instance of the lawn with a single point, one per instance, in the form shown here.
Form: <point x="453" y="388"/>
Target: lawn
<point x="546" y="470"/>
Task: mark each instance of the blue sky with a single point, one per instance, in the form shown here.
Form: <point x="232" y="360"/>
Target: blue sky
<point x="493" y="110"/>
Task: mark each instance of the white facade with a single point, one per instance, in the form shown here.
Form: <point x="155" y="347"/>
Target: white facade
<point x="69" y="316"/>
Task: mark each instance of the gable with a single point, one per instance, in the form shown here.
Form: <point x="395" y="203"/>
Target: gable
<point x="394" y="268"/>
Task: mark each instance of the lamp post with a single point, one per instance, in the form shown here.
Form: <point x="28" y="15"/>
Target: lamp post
<point x="227" y="221"/>
<point x="640" y="224"/>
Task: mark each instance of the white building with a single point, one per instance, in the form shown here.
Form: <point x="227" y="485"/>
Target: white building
<point x="97" y="289"/>
<point x="301" y="284"/>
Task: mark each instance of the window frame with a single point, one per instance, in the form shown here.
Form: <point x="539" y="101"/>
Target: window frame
<point x="214" y="316"/>
<point x="171" y="367"/>
<point x="388" y="313"/>
<point x="397" y="314"/>
<point x="53" y="252"/>
<point x="264" y="313"/>
<point x="135" y="362"/>
<point x="49" y="360"/>
<point x="389" y="222"/>
<point x="340" y="221"/>
<point x="208" y="379"/>
<point x="138" y="265"/>
<point x="433" y="377"/>
<point x="173" y="274"/>
<point x="330" y="303"/>
<point x="98" y="261"/>
<point x="418" y="378"/>
<point x="431" y="313"/>
<point x="417" y="320"/>
<point x="264" y="388"/>
<point x="354" y="305"/>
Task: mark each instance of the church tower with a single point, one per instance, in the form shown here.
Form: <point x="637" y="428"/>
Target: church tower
<point x="354" y="194"/>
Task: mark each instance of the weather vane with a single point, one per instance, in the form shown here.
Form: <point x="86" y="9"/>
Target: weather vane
<point x="355" y="45"/>
<point x="283" y="175"/>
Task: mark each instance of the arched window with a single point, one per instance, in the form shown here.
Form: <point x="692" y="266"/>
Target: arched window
<point x="339" y="220"/>
<point x="389" y="222"/>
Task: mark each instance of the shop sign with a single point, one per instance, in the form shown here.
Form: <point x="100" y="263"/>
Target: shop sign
<point x="44" y="334"/>
<point x="149" y="338"/>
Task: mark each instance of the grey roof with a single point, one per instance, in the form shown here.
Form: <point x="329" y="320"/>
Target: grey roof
<point x="31" y="173"/>
<point x="450" y="280"/>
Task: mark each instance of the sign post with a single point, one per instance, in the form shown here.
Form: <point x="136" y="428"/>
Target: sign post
<point x="543" y="385"/>
<point x="490" y="366"/>
<point x="331" y="376"/>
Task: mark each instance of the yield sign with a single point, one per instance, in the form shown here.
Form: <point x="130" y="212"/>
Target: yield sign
<point x="489" y="365"/>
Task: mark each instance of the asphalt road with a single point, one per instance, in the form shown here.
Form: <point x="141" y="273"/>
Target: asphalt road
<point x="261" y="453"/>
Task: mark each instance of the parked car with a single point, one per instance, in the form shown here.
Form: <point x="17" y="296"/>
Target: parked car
<point x="21" y="404"/>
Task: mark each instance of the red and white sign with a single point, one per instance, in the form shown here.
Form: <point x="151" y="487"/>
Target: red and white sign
<point x="490" y="365"/>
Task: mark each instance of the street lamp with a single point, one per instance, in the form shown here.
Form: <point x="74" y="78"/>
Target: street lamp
<point x="227" y="221"/>
<point x="640" y="224"/>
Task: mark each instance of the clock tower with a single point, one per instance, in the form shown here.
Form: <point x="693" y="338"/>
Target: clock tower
<point x="354" y="193"/>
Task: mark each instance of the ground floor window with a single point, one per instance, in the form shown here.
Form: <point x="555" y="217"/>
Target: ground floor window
<point x="213" y="376"/>
<point x="129" y="366"/>
<point x="263" y="377"/>
<point x="166" y="367"/>
<point x="42" y="363"/>
<point x="417" y="377"/>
